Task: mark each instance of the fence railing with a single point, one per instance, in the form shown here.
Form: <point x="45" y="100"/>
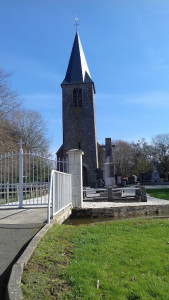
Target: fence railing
<point x="25" y="177"/>
<point x="60" y="195"/>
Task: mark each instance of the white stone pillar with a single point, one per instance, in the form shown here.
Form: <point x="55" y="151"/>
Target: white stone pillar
<point x="75" y="169"/>
<point x="109" y="173"/>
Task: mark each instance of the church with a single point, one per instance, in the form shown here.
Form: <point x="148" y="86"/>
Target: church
<point x="78" y="113"/>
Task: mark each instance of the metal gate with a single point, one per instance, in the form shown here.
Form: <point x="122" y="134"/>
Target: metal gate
<point x="25" y="178"/>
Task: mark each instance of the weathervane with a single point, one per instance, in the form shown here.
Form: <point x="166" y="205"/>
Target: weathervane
<point x="76" y="22"/>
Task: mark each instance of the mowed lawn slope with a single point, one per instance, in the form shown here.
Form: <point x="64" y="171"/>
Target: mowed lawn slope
<point x="126" y="259"/>
<point x="159" y="193"/>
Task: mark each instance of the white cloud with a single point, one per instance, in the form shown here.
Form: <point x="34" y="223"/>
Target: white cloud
<point x="152" y="99"/>
<point x="156" y="99"/>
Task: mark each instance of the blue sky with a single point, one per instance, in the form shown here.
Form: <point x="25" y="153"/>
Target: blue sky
<point x="126" y="44"/>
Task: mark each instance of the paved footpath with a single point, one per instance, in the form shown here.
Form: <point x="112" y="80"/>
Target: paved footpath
<point x="17" y="227"/>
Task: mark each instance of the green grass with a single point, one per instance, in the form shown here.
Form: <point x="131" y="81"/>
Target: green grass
<point x="159" y="193"/>
<point x="129" y="258"/>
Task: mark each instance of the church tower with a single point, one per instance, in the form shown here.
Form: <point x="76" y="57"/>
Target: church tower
<point x="78" y="112"/>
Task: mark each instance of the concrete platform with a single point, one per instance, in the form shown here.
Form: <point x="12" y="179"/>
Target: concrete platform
<point x="150" y="201"/>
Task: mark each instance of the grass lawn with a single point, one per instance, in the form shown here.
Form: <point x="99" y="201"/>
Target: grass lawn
<point x="129" y="258"/>
<point x="159" y="193"/>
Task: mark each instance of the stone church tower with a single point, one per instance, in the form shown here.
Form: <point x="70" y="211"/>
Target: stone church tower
<point x="78" y="110"/>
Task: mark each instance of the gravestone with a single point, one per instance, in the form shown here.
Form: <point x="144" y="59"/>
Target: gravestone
<point x="145" y="177"/>
<point x="109" y="172"/>
<point x="109" y="166"/>
<point x="132" y="179"/>
<point x="99" y="178"/>
<point x="155" y="178"/>
<point x="119" y="179"/>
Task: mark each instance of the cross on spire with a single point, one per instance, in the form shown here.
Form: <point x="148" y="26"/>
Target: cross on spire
<point x="76" y="22"/>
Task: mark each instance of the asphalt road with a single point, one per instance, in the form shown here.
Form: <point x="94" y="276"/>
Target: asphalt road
<point x="17" y="228"/>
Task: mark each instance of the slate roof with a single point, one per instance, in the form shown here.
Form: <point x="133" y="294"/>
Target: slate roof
<point x="77" y="71"/>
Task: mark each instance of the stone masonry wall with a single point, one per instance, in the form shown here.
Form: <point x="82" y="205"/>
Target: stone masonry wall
<point x="79" y="126"/>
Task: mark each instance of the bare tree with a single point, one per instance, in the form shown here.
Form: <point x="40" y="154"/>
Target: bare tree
<point x="29" y="126"/>
<point x="17" y="123"/>
<point x="160" y="145"/>
<point x="142" y="157"/>
<point x="132" y="158"/>
<point x="9" y="100"/>
<point x="123" y="157"/>
<point x="8" y="139"/>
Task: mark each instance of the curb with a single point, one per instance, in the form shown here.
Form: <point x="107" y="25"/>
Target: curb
<point x="14" y="291"/>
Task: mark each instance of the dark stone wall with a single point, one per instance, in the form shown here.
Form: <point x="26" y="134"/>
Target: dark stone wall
<point x="79" y="126"/>
<point x="101" y="157"/>
<point x="121" y="211"/>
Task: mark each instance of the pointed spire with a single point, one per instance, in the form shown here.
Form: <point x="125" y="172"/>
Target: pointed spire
<point x="77" y="71"/>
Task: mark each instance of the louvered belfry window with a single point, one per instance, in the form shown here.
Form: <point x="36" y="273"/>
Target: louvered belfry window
<point x="77" y="97"/>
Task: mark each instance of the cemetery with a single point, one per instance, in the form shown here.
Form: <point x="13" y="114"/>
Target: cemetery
<point x="109" y="257"/>
<point x="119" y="248"/>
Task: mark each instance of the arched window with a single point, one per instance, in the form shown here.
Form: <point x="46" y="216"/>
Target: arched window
<point x="77" y="97"/>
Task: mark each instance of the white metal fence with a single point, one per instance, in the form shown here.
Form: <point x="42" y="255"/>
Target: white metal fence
<point x="60" y="193"/>
<point x="25" y="178"/>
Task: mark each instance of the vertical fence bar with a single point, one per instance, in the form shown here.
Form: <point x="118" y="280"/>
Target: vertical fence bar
<point x="20" y="175"/>
<point x="37" y="178"/>
<point x="5" y="178"/>
<point x="1" y="181"/>
<point x="54" y="193"/>
<point x="59" y="164"/>
<point x="63" y="163"/>
<point x="7" y="192"/>
<point x="44" y="184"/>
<point x="8" y="182"/>
<point x="16" y="184"/>
<point x="25" y="177"/>
<point x="1" y="169"/>
<point x="33" y="179"/>
<point x="50" y="196"/>
<point x="40" y="178"/>
<point x="30" y="186"/>
<point x="49" y="180"/>
<point x="12" y="176"/>
<point x="1" y="176"/>
<point x="57" y="193"/>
